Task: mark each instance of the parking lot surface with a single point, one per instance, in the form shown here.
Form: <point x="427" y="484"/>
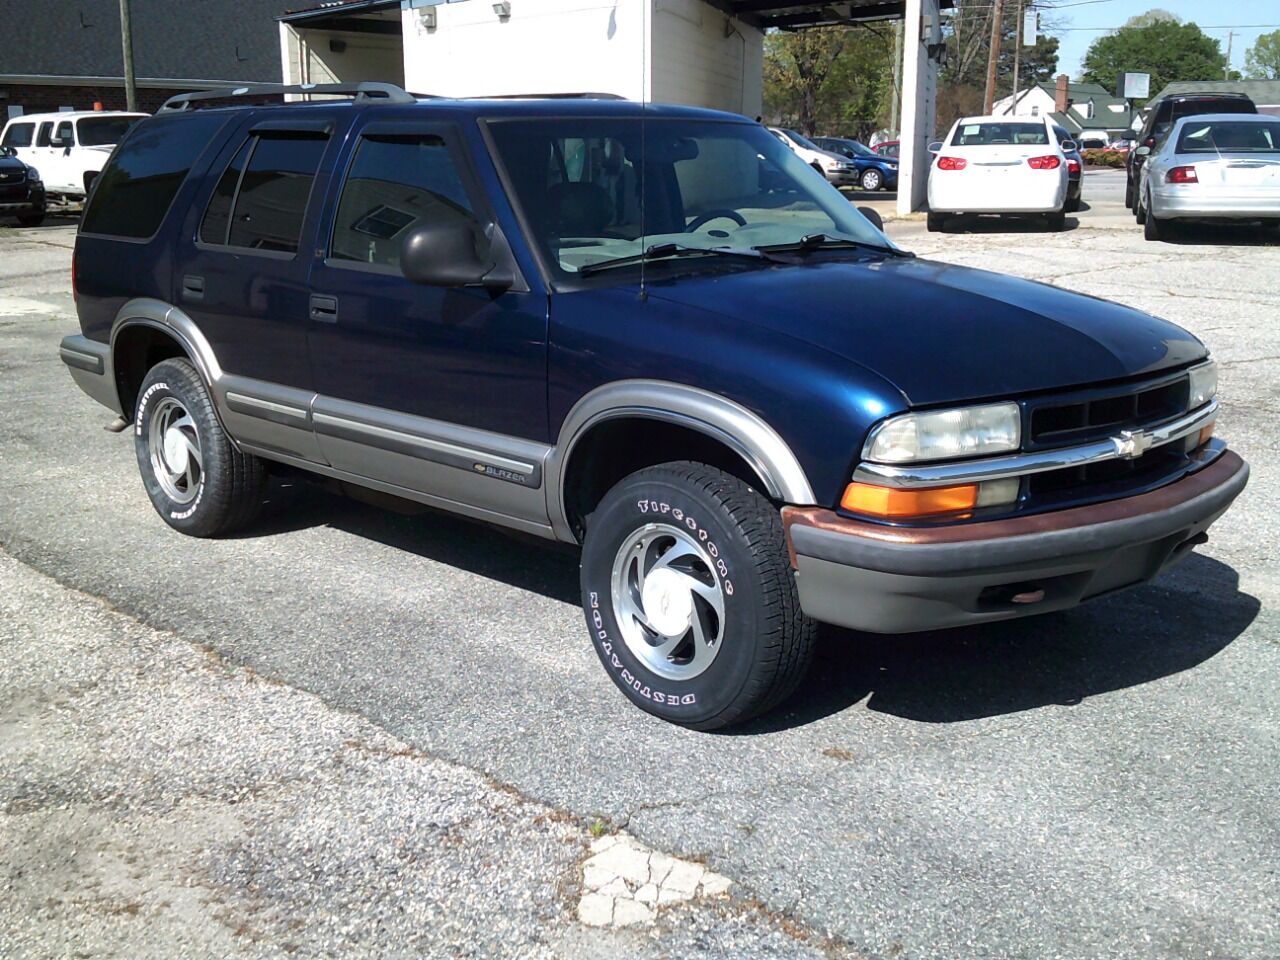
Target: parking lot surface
<point x="1093" y="784"/>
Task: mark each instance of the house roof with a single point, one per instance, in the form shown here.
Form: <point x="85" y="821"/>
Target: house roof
<point x="1264" y="93"/>
<point x="209" y="40"/>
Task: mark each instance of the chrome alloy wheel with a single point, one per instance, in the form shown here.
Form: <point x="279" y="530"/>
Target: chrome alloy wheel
<point x="174" y="444"/>
<point x="669" y="601"/>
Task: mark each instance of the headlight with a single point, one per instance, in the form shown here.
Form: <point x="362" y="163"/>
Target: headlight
<point x="946" y="434"/>
<point x="1204" y="384"/>
<point x="33" y="174"/>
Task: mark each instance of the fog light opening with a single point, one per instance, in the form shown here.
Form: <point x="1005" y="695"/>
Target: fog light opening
<point x="1024" y="593"/>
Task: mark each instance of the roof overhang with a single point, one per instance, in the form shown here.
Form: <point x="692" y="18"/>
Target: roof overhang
<point x="352" y="16"/>
<point x="801" y="14"/>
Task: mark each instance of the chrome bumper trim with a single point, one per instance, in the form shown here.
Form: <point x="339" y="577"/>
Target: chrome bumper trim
<point x="1041" y="461"/>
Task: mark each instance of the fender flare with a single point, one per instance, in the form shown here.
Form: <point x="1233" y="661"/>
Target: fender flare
<point x="724" y="420"/>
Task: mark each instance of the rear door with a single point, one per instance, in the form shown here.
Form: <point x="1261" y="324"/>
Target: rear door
<point x="439" y="391"/>
<point x="241" y="274"/>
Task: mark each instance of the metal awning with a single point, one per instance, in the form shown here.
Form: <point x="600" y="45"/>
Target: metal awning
<point x="352" y="16"/>
<point x="798" y="14"/>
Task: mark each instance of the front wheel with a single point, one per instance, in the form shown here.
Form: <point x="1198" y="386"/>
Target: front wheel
<point x="690" y="599"/>
<point x="872" y="180"/>
<point x="1128" y="194"/>
<point x="198" y="482"/>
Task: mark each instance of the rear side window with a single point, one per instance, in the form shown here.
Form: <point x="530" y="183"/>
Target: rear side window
<point x="132" y="195"/>
<point x="261" y="197"/>
<point x="19" y="135"/>
<point x="395" y="184"/>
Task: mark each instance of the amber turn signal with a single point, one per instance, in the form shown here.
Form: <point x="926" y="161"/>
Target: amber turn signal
<point x="872" y="500"/>
<point x="1206" y="434"/>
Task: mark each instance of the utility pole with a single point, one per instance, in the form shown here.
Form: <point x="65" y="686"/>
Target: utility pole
<point x="1226" y="70"/>
<point x="997" y="21"/>
<point x="126" y="44"/>
<point x="897" y="78"/>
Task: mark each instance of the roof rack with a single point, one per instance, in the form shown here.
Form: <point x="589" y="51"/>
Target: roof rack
<point x="367" y="90"/>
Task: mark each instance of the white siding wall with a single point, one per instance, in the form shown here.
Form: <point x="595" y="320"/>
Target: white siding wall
<point x="306" y="57"/>
<point x="695" y="63"/>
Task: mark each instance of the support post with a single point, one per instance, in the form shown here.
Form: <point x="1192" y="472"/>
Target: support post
<point x="126" y="46"/>
<point x="997" y="22"/>
<point x="921" y="25"/>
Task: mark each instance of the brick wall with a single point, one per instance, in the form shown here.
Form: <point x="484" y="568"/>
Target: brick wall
<point x="42" y="98"/>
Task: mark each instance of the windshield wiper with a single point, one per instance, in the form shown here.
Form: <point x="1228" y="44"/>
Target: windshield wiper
<point x="822" y="241"/>
<point x="666" y="251"/>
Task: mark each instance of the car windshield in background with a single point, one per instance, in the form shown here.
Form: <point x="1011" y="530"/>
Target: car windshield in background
<point x="1230" y="136"/>
<point x="104" y="131"/>
<point x="802" y="140"/>
<point x="597" y="190"/>
<point x="990" y="134"/>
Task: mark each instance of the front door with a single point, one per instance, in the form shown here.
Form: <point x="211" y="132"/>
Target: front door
<point x="437" y="391"/>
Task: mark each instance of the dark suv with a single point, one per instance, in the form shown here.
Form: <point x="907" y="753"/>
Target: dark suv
<point x="21" y="190"/>
<point x="654" y="332"/>
<point x="1163" y="114"/>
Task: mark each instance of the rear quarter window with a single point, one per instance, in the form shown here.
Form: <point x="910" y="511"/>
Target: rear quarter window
<point x="134" y="191"/>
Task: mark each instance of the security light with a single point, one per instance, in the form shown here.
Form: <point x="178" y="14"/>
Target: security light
<point x="503" y="10"/>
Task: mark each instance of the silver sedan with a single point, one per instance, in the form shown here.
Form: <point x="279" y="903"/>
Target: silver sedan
<point x="1213" y="166"/>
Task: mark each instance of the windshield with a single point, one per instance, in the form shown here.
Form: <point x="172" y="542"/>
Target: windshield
<point x="588" y="198"/>
<point x="802" y="140"/>
<point x="1230" y="136"/>
<point x="104" y="131"/>
<point x="990" y="134"/>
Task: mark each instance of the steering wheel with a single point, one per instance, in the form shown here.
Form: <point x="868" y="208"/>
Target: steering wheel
<point x="710" y="215"/>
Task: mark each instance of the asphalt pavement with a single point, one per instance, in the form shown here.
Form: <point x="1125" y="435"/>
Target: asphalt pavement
<point x="1100" y="783"/>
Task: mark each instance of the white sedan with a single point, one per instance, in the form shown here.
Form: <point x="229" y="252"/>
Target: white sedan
<point x="1003" y="165"/>
<point x="1211" y="166"/>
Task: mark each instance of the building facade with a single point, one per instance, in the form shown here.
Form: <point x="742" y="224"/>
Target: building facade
<point x="1085" y="110"/>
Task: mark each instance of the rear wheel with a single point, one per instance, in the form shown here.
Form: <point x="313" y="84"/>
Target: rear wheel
<point x="872" y="180"/>
<point x="1073" y="205"/>
<point x="1139" y="212"/>
<point x="198" y="482"/>
<point x="1128" y="194"/>
<point x="690" y="598"/>
<point x="1152" y="229"/>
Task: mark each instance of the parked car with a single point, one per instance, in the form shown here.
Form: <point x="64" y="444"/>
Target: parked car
<point x="1003" y="166"/>
<point x="836" y="168"/>
<point x="1086" y="141"/>
<point x="874" y="172"/>
<point x="21" y="190"/>
<point x="1223" y="166"/>
<point x="1160" y="118"/>
<point x="888" y="148"/>
<point x="749" y="408"/>
<point x="69" y="148"/>
<point x="1075" y="170"/>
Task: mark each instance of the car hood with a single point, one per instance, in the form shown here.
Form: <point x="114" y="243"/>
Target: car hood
<point x="10" y="164"/>
<point x="943" y="333"/>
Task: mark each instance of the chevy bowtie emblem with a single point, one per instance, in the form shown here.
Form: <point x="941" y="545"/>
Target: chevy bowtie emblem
<point x="1132" y="444"/>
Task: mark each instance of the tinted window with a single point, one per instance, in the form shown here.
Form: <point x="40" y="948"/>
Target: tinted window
<point x="394" y="184"/>
<point x="64" y="136"/>
<point x="991" y="134"/>
<point x="133" y="193"/>
<point x="1228" y="136"/>
<point x="1194" y="108"/>
<point x="217" y="216"/>
<point x="274" y="191"/>
<point x="19" y="135"/>
<point x="104" y="131"/>
<point x="46" y="132"/>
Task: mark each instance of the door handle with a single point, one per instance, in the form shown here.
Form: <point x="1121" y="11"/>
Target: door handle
<point x="192" y="287"/>
<point x="324" y="309"/>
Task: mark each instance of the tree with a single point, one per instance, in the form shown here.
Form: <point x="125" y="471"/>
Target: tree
<point x="1152" y="16"/>
<point x="834" y="80"/>
<point x="1166" y="49"/>
<point x="1262" y="62"/>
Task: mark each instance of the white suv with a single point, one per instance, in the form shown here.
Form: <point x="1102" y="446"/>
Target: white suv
<point x="69" y="149"/>
<point x="839" y="170"/>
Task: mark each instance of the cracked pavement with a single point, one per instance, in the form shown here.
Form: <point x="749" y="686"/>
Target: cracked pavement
<point x="1094" y="784"/>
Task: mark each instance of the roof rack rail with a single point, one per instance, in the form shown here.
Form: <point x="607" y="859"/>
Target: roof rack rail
<point x="550" y="96"/>
<point x="367" y="90"/>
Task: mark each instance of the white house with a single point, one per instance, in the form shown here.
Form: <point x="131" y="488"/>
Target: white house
<point x="1085" y="110"/>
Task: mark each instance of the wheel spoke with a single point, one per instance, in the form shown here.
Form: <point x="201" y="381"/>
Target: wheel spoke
<point x="189" y="474"/>
<point x="678" y="551"/>
<point x="711" y="594"/>
<point x="193" y="451"/>
<point x="184" y="422"/>
<point x="704" y="649"/>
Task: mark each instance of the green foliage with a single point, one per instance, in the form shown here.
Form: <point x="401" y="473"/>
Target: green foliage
<point x="1262" y="62"/>
<point x="1103" y="158"/>
<point x="835" y="81"/>
<point x="1164" y="48"/>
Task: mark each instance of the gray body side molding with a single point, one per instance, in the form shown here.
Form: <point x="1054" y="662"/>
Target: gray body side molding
<point x="722" y="419"/>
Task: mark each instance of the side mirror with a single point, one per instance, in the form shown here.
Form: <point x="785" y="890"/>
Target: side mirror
<point x="1069" y="146"/>
<point x="1142" y="152"/>
<point x="874" y="216"/>
<point x="935" y="147"/>
<point x="445" y="255"/>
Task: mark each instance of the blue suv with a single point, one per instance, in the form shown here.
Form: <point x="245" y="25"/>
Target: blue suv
<point x="651" y="331"/>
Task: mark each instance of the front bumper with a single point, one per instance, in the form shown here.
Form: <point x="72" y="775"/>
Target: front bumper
<point x="842" y="178"/>
<point x="898" y="580"/>
<point x="28" y="200"/>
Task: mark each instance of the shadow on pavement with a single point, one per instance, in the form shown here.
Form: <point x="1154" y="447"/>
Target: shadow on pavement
<point x="1004" y="224"/>
<point x="1220" y="235"/>
<point x="1111" y="643"/>
<point x="1183" y="619"/>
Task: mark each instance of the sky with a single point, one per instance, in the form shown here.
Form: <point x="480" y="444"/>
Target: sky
<point x="1215" y="17"/>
